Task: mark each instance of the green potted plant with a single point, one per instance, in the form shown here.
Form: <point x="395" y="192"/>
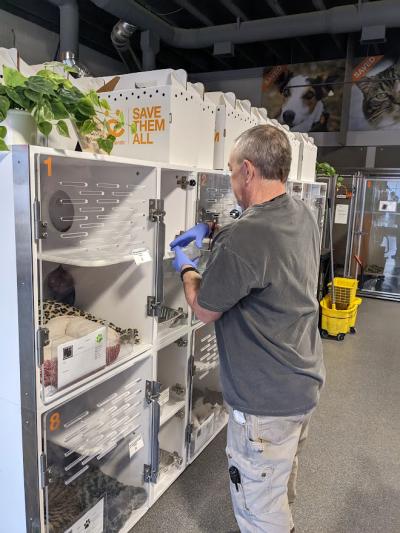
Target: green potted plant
<point x="325" y="169"/>
<point x="47" y="100"/>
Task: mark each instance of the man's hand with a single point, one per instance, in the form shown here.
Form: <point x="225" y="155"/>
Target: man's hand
<point x="197" y="233"/>
<point x="181" y="259"/>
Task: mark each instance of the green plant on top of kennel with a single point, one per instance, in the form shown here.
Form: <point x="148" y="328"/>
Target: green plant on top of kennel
<point x="51" y="99"/>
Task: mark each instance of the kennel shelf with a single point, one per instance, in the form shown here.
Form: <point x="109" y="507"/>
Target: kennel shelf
<point x="170" y="409"/>
<point x="96" y="258"/>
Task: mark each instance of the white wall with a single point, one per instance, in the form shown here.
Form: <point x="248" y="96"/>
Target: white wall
<point x="37" y="45"/>
<point x="245" y="83"/>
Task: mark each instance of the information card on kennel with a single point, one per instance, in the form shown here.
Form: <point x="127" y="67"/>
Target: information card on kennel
<point x="90" y="522"/>
<point x="81" y="357"/>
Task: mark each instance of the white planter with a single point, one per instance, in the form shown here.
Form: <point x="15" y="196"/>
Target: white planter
<point x="21" y="128"/>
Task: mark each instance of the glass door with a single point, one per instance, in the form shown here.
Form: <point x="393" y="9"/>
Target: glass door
<point x="97" y="445"/>
<point x="376" y="239"/>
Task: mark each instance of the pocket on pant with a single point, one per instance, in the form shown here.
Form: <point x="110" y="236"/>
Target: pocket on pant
<point x="254" y="491"/>
<point x="275" y="430"/>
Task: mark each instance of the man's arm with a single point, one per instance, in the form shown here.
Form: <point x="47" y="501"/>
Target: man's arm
<point x="191" y="286"/>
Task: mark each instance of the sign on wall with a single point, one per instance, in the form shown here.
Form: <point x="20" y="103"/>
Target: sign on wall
<point x="308" y="96"/>
<point x="305" y="96"/>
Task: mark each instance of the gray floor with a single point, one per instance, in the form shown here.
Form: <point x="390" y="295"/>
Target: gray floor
<point x="350" y="471"/>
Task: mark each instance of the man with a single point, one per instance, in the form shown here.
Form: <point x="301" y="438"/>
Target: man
<point x="260" y="288"/>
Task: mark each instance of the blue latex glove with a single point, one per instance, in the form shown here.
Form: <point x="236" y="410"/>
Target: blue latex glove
<point x="197" y="233"/>
<point x="182" y="259"/>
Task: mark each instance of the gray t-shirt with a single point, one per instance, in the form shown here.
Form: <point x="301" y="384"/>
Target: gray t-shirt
<point x="262" y="275"/>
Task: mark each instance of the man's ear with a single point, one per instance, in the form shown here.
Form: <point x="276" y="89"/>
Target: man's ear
<point x="249" y="170"/>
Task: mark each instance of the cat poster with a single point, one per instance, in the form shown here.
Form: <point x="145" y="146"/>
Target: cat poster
<point x="375" y="95"/>
<point x="305" y="96"/>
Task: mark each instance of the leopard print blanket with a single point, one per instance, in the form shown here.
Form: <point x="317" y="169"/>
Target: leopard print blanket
<point x="52" y="309"/>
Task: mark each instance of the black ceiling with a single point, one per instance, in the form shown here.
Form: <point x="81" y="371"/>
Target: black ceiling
<point x="96" y="26"/>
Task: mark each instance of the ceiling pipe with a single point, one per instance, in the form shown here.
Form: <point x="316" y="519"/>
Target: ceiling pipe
<point x="195" y="12"/>
<point x="199" y="15"/>
<point x="150" y="45"/>
<point x="121" y="36"/>
<point x="321" y="6"/>
<point x="278" y="11"/>
<point x="341" y="19"/>
<point x="69" y="35"/>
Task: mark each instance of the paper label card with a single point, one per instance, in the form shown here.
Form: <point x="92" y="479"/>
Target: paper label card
<point x="135" y="445"/>
<point x="90" y="522"/>
<point x="390" y="207"/>
<point x="341" y="213"/>
<point x="141" y="257"/>
<point x="82" y="356"/>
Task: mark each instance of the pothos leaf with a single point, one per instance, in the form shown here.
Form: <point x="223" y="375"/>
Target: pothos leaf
<point x="94" y="98"/>
<point x="62" y="128"/>
<point x="85" y="107"/>
<point x="88" y="127"/>
<point x="3" y="146"/>
<point x="45" y="127"/>
<point x="17" y="97"/>
<point x="104" y="104"/>
<point x="3" y="132"/>
<point x="4" y="105"/>
<point x="106" y="145"/>
<point x="12" y="77"/>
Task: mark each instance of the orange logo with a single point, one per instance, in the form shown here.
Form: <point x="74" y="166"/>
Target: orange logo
<point x="113" y="130"/>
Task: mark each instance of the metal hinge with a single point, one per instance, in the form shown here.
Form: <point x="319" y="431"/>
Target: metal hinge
<point x="153" y="307"/>
<point x="184" y="182"/>
<point x="44" y="473"/>
<point x="40" y="225"/>
<point x="156" y="210"/>
<point x="192" y="367"/>
<point x="188" y="433"/>
<point x="182" y="342"/>
<point x="147" y="473"/>
<point x="152" y="390"/>
<point x="42" y="340"/>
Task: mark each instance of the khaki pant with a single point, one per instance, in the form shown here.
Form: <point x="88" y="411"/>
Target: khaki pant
<point x="264" y="450"/>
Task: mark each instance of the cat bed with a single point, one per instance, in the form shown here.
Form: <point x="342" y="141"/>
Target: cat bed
<point x="66" y="323"/>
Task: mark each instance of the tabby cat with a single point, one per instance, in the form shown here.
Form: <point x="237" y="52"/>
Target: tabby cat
<point x="66" y="503"/>
<point x="381" y="102"/>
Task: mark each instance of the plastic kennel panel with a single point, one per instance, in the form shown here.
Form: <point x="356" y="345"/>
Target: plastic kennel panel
<point x="204" y="126"/>
<point x="308" y="157"/>
<point x="159" y="112"/>
<point x="208" y="413"/>
<point x="216" y="200"/>
<point x="172" y="365"/>
<point x="247" y="119"/>
<point x="96" y="266"/>
<point x="176" y="186"/>
<point x="96" y="446"/>
<point x="259" y="115"/>
<point x="228" y="125"/>
<point x="173" y="313"/>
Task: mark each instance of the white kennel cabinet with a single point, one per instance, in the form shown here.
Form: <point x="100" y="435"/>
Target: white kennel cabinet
<point x="109" y="387"/>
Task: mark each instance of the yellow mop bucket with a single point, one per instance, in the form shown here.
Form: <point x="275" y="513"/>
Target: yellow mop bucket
<point x="338" y="322"/>
<point x="345" y="290"/>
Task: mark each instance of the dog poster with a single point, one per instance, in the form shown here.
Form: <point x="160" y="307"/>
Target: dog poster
<point x="305" y="96"/>
<point x="375" y="94"/>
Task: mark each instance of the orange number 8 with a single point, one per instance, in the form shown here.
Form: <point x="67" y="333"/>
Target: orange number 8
<point x="55" y="422"/>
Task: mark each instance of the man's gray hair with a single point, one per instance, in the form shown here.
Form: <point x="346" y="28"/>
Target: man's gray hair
<point x="268" y="148"/>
